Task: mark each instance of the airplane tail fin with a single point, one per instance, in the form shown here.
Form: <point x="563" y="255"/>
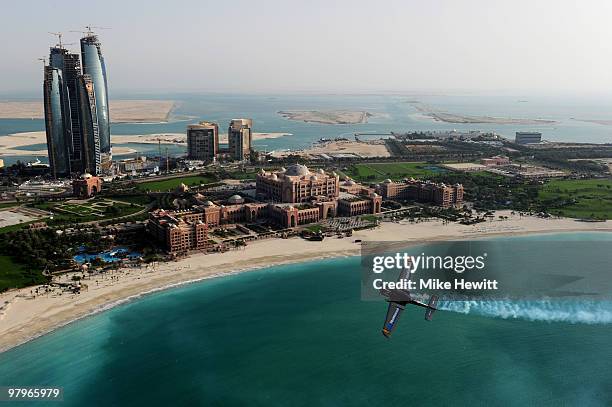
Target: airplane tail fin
<point x="431" y="307"/>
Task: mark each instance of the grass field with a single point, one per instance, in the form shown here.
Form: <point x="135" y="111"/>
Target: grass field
<point x="8" y="204"/>
<point x="168" y="184"/>
<point x="12" y="275"/>
<point x="95" y="210"/>
<point x="590" y="198"/>
<point x="141" y="199"/>
<point x="18" y="226"/>
<point x="376" y="172"/>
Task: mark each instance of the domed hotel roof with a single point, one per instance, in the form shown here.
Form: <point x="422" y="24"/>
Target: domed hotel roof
<point x="297" y="170"/>
<point x="236" y="199"/>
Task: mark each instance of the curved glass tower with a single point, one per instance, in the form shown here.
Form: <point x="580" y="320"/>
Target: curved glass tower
<point x="58" y="136"/>
<point x="89" y="122"/>
<point x="70" y="66"/>
<point x="93" y="65"/>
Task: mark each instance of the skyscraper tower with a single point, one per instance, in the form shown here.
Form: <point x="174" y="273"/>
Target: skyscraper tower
<point x="56" y="117"/>
<point x="93" y="65"/>
<point x="70" y="65"/>
<point x="239" y="138"/>
<point x="203" y="141"/>
<point x="92" y="159"/>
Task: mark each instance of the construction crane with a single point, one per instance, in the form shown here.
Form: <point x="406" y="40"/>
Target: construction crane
<point x="60" y="44"/>
<point x="89" y="30"/>
<point x="44" y="59"/>
<point x="59" y="38"/>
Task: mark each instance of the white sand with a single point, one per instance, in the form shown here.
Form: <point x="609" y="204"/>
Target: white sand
<point x="27" y="318"/>
<point x="121" y="111"/>
<point x="10" y="143"/>
<point x="376" y="148"/>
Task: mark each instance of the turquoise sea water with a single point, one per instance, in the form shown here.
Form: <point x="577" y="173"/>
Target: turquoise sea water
<point x="300" y="335"/>
<point x="394" y="113"/>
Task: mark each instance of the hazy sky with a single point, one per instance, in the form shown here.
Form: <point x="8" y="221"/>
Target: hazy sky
<point x="339" y="46"/>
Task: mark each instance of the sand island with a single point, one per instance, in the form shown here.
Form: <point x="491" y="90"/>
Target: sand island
<point x="121" y="111"/>
<point x="327" y="116"/>
<point x="446" y="117"/>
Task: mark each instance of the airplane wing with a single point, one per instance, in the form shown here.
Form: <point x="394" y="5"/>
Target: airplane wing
<point x="393" y="314"/>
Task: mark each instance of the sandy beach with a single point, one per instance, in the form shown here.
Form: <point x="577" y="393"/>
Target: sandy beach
<point x="11" y="144"/>
<point x="327" y="116"/>
<point x="23" y="317"/>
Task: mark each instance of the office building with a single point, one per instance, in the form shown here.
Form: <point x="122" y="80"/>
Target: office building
<point x="56" y="118"/>
<point x="93" y="65"/>
<point x="239" y="135"/>
<point x="76" y="110"/>
<point x="528" y="137"/>
<point x="203" y="141"/>
<point x="70" y="65"/>
<point x="90" y="129"/>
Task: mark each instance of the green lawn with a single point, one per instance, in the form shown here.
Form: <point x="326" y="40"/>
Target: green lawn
<point x="86" y="212"/>
<point x="8" y="204"/>
<point x="377" y="172"/>
<point x="17" y="226"/>
<point x="242" y="175"/>
<point x="13" y="275"/>
<point x="135" y="199"/>
<point x="590" y="198"/>
<point x="168" y="184"/>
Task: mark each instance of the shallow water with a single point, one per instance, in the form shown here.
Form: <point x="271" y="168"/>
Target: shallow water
<point x="300" y="335"/>
<point x="392" y="113"/>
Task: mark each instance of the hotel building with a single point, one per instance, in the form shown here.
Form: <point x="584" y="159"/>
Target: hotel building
<point x="297" y="184"/>
<point x="423" y="191"/>
<point x="177" y="231"/>
<point x="239" y="137"/>
<point x="94" y="66"/>
<point x="90" y="129"/>
<point x="203" y="141"/>
<point x="77" y="118"/>
<point x="56" y="117"/>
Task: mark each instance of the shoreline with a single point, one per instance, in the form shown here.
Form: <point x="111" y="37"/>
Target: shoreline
<point x="10" y="144"/>
<point x="28" y="319"/>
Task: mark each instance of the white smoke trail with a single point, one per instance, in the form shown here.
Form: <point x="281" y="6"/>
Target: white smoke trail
<point x="571" y="311"/>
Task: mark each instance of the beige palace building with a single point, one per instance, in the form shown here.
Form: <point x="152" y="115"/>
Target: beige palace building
<point x="297" y="184"/>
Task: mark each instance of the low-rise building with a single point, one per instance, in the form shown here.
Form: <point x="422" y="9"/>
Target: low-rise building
<point x="86" y="186"/>
<point x="495" y="160"/>
<point x="178" y="231"/>
<point x="360" y="205"/>
<point x="297" y="184"/>
<point x="528" y="137"/>
<point x="422" y="191"/>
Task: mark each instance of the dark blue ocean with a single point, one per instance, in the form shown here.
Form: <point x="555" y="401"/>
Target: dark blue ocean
<point x="299" y="335"/>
